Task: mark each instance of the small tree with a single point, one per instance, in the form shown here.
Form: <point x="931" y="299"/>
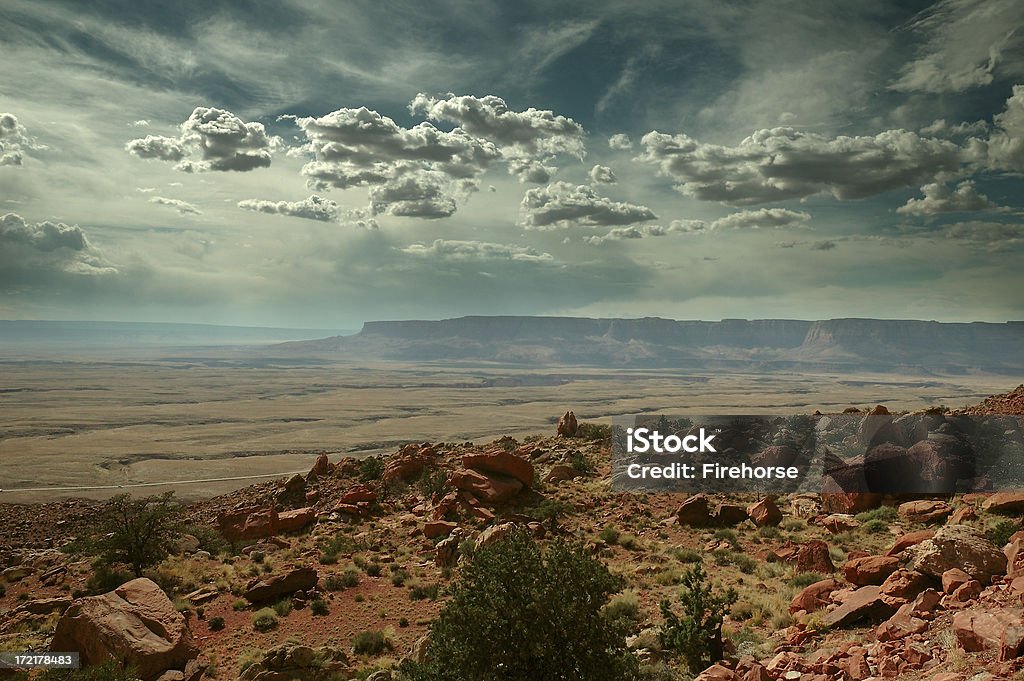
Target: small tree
<point x="697" y="635"/>
<point x="139" y="532"/>
<point x="523" y="614"/>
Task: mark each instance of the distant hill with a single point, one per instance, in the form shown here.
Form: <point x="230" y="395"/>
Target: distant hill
<point x="760" y="344"/>
<point x="16" y="334"/>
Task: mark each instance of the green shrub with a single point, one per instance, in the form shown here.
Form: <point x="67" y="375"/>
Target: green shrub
<point x="216" y="623"/>
<point x="624" y="607"/>
<point x="697" y="633"/>
<point x="685" y="555"/>
<point x="283" y="608"/>
<point x="399" y="576"/>
<point x="371" y="469"/>
<point x="331" y="548"/>
<point x="728" y="535"/>
<point x="318" y="607"/>
<point x="421" y="592"/>
<point x="805" y="579"/>
<point x="432" y="483"/>
<point x="372" y="642"/>
<point x="594" y="431"/>
<point x="1000" y="533"/>
<point x="875" y="526"/>
<point x="372" y="569"/>
<point x="520" y="613"/>
<point x="582" y="463"/>
<point x="240" y="604"/>
<point x="105" y="578"/>
<point x="886" y="514"/>
<point x="609" y="535"/>
<point x="209" y="538"/>
<point x="264" y="620"/>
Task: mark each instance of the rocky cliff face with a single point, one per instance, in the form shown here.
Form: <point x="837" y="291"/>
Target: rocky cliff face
<point x="784" y="344"/>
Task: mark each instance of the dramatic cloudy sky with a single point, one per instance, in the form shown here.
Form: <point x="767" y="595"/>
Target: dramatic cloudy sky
<point x="305" y="163"/>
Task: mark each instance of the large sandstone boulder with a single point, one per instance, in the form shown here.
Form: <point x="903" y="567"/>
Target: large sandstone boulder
<point x="866" y="603"/>
<point x="908" y="540"/>
<point x="279" y="586"/>
<point x="814" y="597"/>
<point x="765" y="513"/>
<point x="870" y="569"/>
<point x="925" y="511"/>
<point x="409" y="462"/>
<point x="491" y="488"/>
<point x="1010" y="503"/>
<point x="999" y="629"/>
<point x="814" y="556"/>
<point x="695" y="511"/>
<point x="135" y="625"/>
<point x="502" y="462"/>
<point x="298" y="663"/>
<point x="260" y="522"/>
<point x="958" y="546"/>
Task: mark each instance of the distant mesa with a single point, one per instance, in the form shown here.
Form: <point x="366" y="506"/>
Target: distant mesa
<point x="739" y="344"/>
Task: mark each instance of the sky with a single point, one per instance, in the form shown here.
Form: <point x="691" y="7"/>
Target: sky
<point x="320" y="164"/>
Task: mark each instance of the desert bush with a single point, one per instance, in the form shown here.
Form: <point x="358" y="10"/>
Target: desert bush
<point x="624" y="608"/>
<point x="549" y="511"/>
<point x="420" y="592"/>
<point x="432" y="482"/>
<point x="609" y="535"/>
<point x="582" y="463"/>
<point x="373" y="642"/>
<point x="318" y="607"/>
<point x="105" y="578"/>
<point x="283" y="608"/>
<point x="264" y="620"/>
<point x="520" y="613"/>
<point x="1000" y="533"/>
<point x="685" y="555"/>
<point x="334" y="546"/>
<point x="804" y="579"/>
<point x="728" y="535"/>
<point x="886" y="514"/>
<point x="138" y="532"/>
<point x="216" y="623"/>
<point x="594" y="431"/>
<point x="371" y="469"/>
<point x="875" y="526"/>
<point x="697" y="633"/>
<point x="399" y="576"/>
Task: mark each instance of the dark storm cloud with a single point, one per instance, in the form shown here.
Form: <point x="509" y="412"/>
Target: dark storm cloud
<point x="45" y="253"/>
<point x="223" y="141"/>
<point x="563" y="204"/>
<point x="784" y="163"/>
<point x="312" y="208"/>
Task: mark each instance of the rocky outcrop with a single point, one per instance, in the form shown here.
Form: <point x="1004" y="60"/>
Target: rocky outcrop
<point x="958" y="546"/>
<point x="1000" y="629"/>
<point x="135" y="625"/>
<point x="279" y="586"/>
<point x="567" y="425"/>
<point x="501" y="462"/>
<point x="259" y="522"/>
<point x="409" y="462"/>
<point x="298" y="663"/>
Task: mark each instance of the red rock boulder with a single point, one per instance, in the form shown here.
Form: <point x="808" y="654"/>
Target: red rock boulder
<point x="503" y="463"/>
<point x="567" y="425"/>
<point x="279" y="586"/>
<point x="814" y="556"/>
<point x="870" y="569"/>
<point x="135" y="625"/>
<point x="765" y="513"/>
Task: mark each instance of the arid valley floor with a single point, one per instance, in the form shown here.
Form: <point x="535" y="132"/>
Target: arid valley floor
<point x="162" y="416"/>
